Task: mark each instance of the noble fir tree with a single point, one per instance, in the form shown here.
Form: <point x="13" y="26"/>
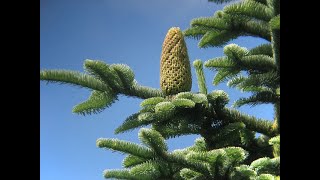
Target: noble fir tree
<point x="227" y="147"/>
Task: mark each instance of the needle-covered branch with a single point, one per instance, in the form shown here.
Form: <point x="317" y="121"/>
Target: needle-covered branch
<point x="200" y="76"/>
<point x="96" y="103"/>
<point x="105" y="81"/>
<point x="126" y="147"/>
<point x="252" y="123"/>
<point x="73" y="78"/>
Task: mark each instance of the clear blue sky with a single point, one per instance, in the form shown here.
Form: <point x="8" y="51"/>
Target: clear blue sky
<point x="116" y="31"/>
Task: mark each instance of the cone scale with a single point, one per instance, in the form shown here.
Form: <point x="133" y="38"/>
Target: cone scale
<point x="175" y="70"/>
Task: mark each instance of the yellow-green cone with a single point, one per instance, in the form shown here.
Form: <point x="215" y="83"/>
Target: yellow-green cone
<point x="175" y="71"/>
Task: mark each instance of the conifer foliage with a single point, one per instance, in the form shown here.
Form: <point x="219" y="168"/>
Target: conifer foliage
<point x="227" y="147"/>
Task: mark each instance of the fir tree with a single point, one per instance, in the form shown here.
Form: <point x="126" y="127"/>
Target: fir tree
<point x="227" y="148"/>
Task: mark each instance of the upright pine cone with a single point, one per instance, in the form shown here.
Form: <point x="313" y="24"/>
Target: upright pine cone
<point x="175" y="71"/>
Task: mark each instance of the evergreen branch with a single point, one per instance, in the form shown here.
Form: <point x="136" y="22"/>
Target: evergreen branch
<point x="120" y="174"/>
<point x="247" y="137"/>
<point x="269" y="79"/>
<point x="125" y="147"/>
<point x="125" y="74"/>
<point x="218" y="98"/>
<point x="177" y="126"/>
<point x="182" y="152"/>
<point x="200" y="99"/>
<point x="275" y="142"/>
<point x="207" y="158"/>
<point x="219" y="160"/>
<point x="275" y="6"/>
<point x="113" y="79"/>
<point x="217" y="38"/>
<point x="196" y="32"/>
<point x="260" y="63"/>
<point x="199" y="145"/>
<point x="143" y="92"/>
<point x="256" y="29"/>
<point x="236" y="154"/>
<point x="183" y="103"/>
<point x="263" y="140"/>
<point x="228" y="135"/>
<point x="151" y="101"/>
<point x="224" y="75"/>
<point x="73" y="78"/>
<point x="210" y="23"/>
<point x="97" y="102"/>
<point x="242" y="172"/>
<point x="222" y="27"/>
<point x="251" y="9"/>
<point x="189" y="174"/>
<point x="220" y="62"/>
<point x="181" y="160"/>
<point x="177" y="176"/>
<point x="146" y="171"/>
<point x="130" y="161"/>
<point x="185" y="95"/>
<point x="275" y="32"/>
<point x="121" y="78"/>
<point x="223" y="166"/>
<point x="266" y="177"/>
<point x="236" y="60"/>
<point x="129" y="124"/>
<point x="263" y="49"/>
<point x="278" y="91"/>
<point x="254" y="89"/>
<point x="234" y="82"/>
<point x="235" y="52"/>
<point x="262" y="97"/>
<point x="165" y="109"/>
<point x="153" y="139"/>
<point x="172" y="132"/>
<point x="146" y="109"/>
<point x="144" y="119"/>
<point x="200" y="76"/>
<point x="227" y="159"/>
<point x="102" y="71"/>
<point x="266" y="165"/>
<point x="252" y="123"/>
<point x="245" y="26"/>
<point x="217" y="35"/>
<point x="258" y="148"/>
<point x="275" y="23"/>
<point x="219" y="14"/>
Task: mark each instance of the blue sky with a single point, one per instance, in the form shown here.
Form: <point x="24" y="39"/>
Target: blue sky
<point x="115" y="31"/>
